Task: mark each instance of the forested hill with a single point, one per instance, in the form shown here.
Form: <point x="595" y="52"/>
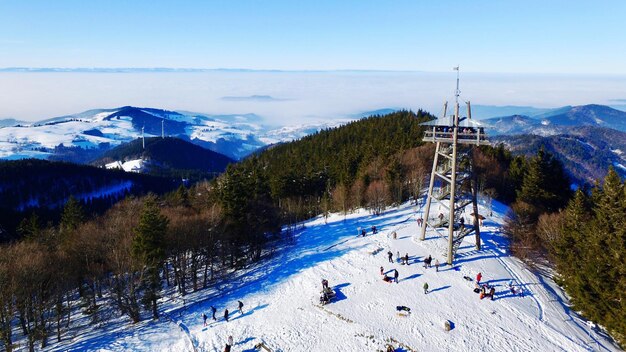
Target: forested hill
<point x="369" y="160"/>
<point x="40" y="186"/>
<point x="170" y="157"/>
<point x="586" y="152"/>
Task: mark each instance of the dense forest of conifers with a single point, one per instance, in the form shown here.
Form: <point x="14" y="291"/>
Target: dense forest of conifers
<point x="143" y="248"/>
<point x="41" y="187"/>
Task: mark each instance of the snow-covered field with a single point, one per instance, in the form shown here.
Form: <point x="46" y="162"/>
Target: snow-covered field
<point x="281" y="299"/>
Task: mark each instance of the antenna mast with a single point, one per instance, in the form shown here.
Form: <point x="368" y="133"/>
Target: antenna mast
<point x="457" y="92"/>
<point x="162" y="127"/>
<point x="143" y="138"/>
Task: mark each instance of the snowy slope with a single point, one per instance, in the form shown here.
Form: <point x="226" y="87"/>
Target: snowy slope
<point x="281" y="299"/>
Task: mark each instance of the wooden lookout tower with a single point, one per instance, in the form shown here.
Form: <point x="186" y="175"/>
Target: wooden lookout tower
<point x="451" y="176"/>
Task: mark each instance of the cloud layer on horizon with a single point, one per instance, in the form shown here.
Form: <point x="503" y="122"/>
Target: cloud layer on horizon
<point x="295" y="97"/>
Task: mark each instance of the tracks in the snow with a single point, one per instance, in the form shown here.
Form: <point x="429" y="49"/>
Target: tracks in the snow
<point x="336" y="315"/>
<point x="185" y="330"/>
<point x="532" y="294"/>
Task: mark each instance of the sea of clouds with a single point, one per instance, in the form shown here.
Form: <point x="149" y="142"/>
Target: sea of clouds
<point x="290" y="97"/>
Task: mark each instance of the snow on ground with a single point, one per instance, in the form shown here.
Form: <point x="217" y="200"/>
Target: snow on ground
<point x="135" y="165"/>
<point x="281" y="299"/>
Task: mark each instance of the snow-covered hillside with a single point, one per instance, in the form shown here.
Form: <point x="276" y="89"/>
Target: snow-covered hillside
<point x="109" y="128"/>
<point x="293" y="132"/>
<point x="235" y="136"/>
<point x="282" y="310"/>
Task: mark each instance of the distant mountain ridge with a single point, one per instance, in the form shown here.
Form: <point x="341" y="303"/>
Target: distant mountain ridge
<point x="552" y="122"/>
<point x="11" y="122"/>
<point x="96" y="131"/>
<point x="587" y="152"/>
<point x="87" y="135"/>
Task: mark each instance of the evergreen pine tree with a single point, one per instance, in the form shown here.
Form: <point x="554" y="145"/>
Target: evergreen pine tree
<point x="30" y="228"/>
<point x="149" y="247"/>
<point x="545" y="185"/>
<point x="73" y="215"/>
<point x="608" y="252"/>
<point x="570" y="248"/>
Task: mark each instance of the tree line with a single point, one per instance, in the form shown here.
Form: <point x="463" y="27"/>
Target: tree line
<point x="581" y="234"/>
<point x="41" y="187"/>
<point x="126" y="259"/>
<point x="587" y="243"/>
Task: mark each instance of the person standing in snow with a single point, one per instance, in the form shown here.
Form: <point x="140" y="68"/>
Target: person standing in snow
<point x="395" y="275"/>
<point x="406" y="258"/>
<point x="382" y="271"/>
<point x="492" y="292"/>
<point x="204" y="318"/>
<point x="430" y="261"/>
<point x="390" y="256"/>
<point x="226" y="314"/>
<point x="240" y="304"/>
<point x="479" y="277"/>
<point x="398" y="256"/>
<point x="425" y="287"/>
<point x="437" y="265"/>
<point x="229" y="344"/>
<point x="213" y="309"/>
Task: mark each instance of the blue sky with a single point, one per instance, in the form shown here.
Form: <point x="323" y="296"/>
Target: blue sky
<point x="571" y="37"/>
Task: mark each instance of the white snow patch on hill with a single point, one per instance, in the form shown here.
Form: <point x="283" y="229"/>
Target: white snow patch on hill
<point x="281" y="299"/>
<point x="136" y="165"/>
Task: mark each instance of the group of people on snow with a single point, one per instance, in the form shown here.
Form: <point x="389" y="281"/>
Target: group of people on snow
<point x="388" y="278"/>
<point x="428" y="262"/>
<point x="405" y="259"/>
<point x="363" y="232"/>
<point x="487" y="291"/>
<point x="226" y="313"/>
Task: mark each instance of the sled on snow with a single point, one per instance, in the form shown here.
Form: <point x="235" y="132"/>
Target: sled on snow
<point x="403" y="311"/>
<point x="261" y="346"/>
